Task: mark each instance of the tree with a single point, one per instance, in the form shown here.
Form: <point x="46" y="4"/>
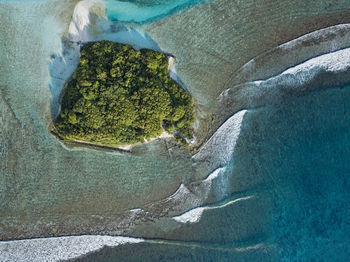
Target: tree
<point x="119" y="95"/>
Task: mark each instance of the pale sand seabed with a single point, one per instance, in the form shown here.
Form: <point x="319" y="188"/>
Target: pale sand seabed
<point x="293" y="78"/>
<point x="293" y="52"/>
<point x="329" y="62"/>
<point x="212" y="47"/>
<point x="178" y="196"/>
<point x="63" y="72"/>
<point x="201" y="190"/>
<point x="100" y="180"/>
<point x="79" y="32"/>
<point x="240" y="91"/>
<point x="219" y="148"/>
<point x="194" y="215"/>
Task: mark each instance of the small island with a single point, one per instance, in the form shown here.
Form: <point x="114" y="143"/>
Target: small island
<point x="122" y="96"/>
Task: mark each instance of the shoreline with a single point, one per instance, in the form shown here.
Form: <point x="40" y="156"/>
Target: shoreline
<point x="59" y="191"/>
<point x="89" y="145"/>
<point x="78" y="35"/>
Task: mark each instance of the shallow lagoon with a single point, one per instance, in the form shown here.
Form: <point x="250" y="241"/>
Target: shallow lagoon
<point x="144" y="11"/>
<point x="290" y="157"/>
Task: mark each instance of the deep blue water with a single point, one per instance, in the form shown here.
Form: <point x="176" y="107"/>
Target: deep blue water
<point x="302" y="146"/>
<point x="299" y="150"/>
<point x="143" y="11"/>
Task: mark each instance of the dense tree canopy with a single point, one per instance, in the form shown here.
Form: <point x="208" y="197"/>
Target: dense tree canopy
<point x="122" y="96"/>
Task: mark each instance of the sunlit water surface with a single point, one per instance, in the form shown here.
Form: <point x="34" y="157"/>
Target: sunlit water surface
<point x="282" y="195"/>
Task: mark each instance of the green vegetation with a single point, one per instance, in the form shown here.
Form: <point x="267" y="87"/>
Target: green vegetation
<point x="122" y="96"/>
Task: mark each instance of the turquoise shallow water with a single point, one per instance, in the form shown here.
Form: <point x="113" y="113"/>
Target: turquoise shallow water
<point x="302" y="146"/>
<point x="292" y="156"/>
<point x="143" y="11"/>
<point x="300" y="150"/>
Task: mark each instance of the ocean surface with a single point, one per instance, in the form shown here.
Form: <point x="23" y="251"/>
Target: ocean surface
<point x="271" y="181"/>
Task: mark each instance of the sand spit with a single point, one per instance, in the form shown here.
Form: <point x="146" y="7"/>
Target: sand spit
<point x="89" y="23"/>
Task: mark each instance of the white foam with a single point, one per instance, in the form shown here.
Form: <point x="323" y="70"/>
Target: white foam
<point x="218" y="182"/>
<point x="332" y="62"/>
<point x="136" y="210"/>
<point x="296" y="76"/>
<point x="220" y="146"/>
<point x="180" y="192"/>
<point x="261" y="92"/>
<point x="248" y="248"/>
<point x="172" y="69"/>
<point x="232" y="202"/>
<point x="294" y="52"/>
<point x="171" y="66"/>
<point x="216" y="155"/>
<point x="194" y="215"/>
<point x="215" y="174"/>
<point x="58" y="248"/>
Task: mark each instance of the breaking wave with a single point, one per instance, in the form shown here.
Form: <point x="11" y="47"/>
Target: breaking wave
<point x="58" y="248"/>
